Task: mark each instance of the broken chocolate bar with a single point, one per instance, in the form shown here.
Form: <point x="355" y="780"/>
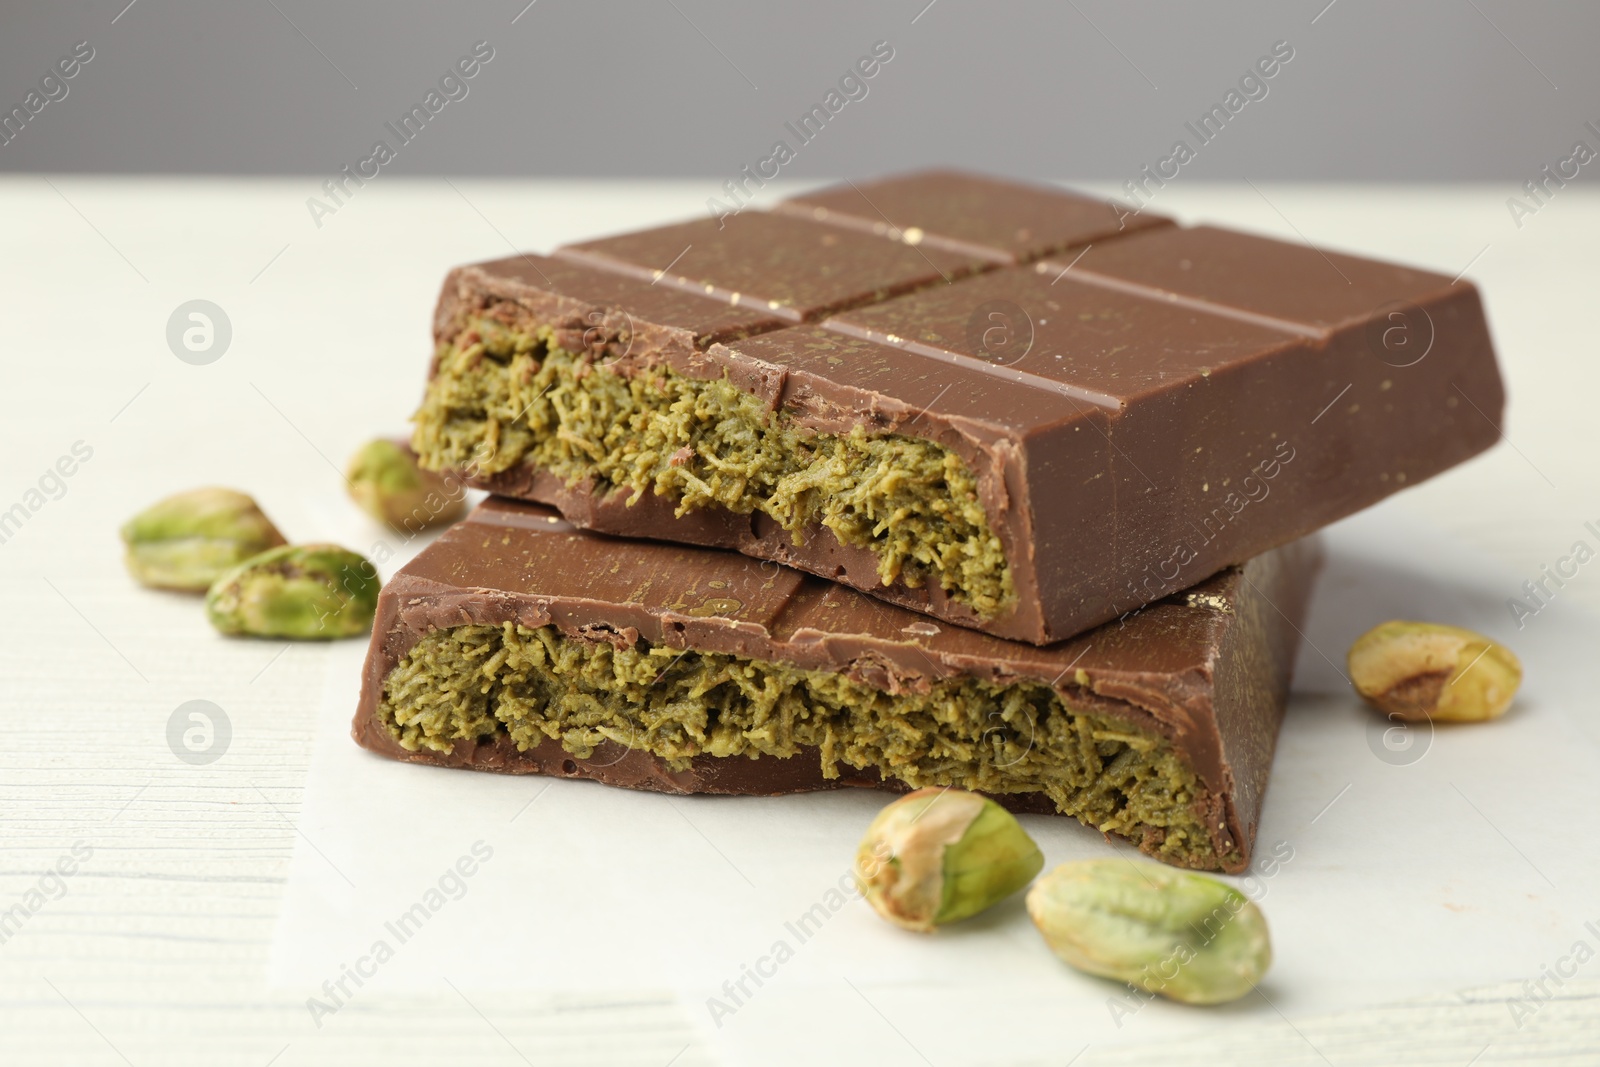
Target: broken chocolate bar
<point x="519" y="643"/>
<point x="992" y="405"/>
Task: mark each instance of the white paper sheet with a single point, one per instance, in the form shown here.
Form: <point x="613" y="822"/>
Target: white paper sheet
<point x="1444" y="864"/>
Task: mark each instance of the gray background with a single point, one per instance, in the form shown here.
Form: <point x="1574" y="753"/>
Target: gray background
<point x="1378" y="89"/>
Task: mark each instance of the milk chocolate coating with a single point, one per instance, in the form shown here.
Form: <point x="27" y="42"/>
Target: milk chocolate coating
<point x="792" y="267"/>
<point x="1141" y="408"/>
<point x="1003" y="222"/>
<point x="1208" y="671"/>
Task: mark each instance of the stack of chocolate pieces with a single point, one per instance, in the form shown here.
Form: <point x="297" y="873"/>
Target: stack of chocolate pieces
<point x="936" y="480"/>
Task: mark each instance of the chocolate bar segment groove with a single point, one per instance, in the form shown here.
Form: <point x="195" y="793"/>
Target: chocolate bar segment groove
<point x="1004" y="222"/>
<point x="521" y="644"/>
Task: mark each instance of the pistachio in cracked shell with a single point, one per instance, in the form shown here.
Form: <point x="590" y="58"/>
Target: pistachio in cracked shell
<point x="1183" y="936"/>
<point x="303" y="592"/>
<point x="384" y="478"/>
<point x="1427" y="670"/>
<point x="187" y="540"/>
<point x="936" y="856"/>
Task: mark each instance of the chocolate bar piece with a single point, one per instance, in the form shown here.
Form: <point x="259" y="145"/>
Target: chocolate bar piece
<point x="519" y="643"/>
<point x="933" y="414"/>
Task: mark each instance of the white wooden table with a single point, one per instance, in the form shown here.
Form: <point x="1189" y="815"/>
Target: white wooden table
<point x="154" y="950"/>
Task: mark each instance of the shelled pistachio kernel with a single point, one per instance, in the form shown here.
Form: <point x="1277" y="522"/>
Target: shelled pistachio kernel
<point x="1427" y="670"/>
<point x="186" y="540"/>
<point x="935" y="856"/>
<point x="306" y="592"/>
<point x="1180" y="935"/>
<point x="384" y="478"/>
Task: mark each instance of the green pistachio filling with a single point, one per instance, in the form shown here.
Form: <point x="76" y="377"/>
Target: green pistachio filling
<point x="504" y="397"/>
<point x="470" y="682"/>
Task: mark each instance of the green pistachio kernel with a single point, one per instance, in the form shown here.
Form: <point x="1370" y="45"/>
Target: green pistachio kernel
<point x="187" y="540"/>
<point x="384" y="478"/>
<point x="1427" y="670"/>
<point x="939" y="855"/>
<point x="1184" y="936"/>
<point x="308" y="592"/>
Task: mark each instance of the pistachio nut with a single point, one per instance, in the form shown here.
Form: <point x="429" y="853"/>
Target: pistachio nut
<point x="1427" y="670"/>
<point x="1184" y="936"/>
<point x="296" y="591"/>
<point x="938" y="855"/>
<point x="384" y="478"/>
<point x="187" y="540"/>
